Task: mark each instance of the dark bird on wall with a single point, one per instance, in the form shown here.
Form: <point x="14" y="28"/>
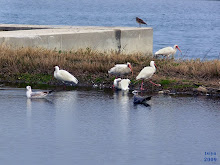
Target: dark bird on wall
<point x="140" y="21"/>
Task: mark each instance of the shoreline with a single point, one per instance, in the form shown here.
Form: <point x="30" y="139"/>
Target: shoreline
<point x="177" y="89"/>
<point x="35" y="66"/>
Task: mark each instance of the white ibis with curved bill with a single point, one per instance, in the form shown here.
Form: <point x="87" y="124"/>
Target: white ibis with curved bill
<point x="146" y="73"/>
<point x="121" y="69"/>
<point x="167" y="51"/>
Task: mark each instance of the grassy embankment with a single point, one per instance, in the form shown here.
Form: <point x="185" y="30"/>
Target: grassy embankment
<point x="36" y="66"/>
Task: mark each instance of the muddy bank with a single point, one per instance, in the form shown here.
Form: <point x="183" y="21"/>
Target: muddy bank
<point x="168" y="87"/>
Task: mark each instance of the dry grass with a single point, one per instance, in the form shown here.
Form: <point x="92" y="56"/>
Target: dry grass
<point x="87" y="62"/>
<point x="197" y="69"/>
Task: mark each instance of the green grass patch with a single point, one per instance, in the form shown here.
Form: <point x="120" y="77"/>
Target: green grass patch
<point x="185" y="81"/>
<point x="99" y="80"/>
<point x="34" y="78"/>
<point x="167" y="82"/>
<point x="182" y="86"/>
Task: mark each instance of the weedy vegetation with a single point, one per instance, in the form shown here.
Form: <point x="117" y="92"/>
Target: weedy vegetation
<point x="89" y="66"/>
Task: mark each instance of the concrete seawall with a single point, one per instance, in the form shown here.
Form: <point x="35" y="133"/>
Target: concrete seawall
<point x="121" y="39"/>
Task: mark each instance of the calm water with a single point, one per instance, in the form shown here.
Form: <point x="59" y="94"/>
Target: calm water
<point x="192" y="24"/>
<point x="104" y="127"/>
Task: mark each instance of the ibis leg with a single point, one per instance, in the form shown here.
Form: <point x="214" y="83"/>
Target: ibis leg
<point x="154" y="83"/>
<point x="142" y="85"/>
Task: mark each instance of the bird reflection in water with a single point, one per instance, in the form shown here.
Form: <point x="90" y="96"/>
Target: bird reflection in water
<point x="122" y="97"/>
<point x="41" y="100"/>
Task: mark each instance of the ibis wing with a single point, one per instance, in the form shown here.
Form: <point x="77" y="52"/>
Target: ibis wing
<point x="66" y="76"/>
<point x="145" y="73"/>
<point x="164" y="51"/>
<point x="119" y="69"/>
<point x="121" y="65"/>
<point x="124" y="84"/>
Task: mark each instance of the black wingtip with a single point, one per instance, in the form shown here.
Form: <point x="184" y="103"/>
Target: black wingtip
<point x="48" y="92"/>
<point x="147" y="98"/>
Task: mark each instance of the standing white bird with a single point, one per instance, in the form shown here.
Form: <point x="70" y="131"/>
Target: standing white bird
<point x="167" y="51"/>
<point x="147" y="73"/>
<point x="38" y="94"/>
<point x="64" y="76"/>
<point x="122" y="84"/>
<point x="121" y="69"/>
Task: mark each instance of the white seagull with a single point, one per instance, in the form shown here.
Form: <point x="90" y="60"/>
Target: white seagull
<point x="121" y="84"/>
<point x="167" y="51"/>
<point x="121" y="69"/>
<point x="64" y="76"/>
<point x="147" y="73"/>
<point x="38" y="94"/>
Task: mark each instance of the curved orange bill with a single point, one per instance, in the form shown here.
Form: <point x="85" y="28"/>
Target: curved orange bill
<point x="179" y="50"/>
<point x="131" y="70"/>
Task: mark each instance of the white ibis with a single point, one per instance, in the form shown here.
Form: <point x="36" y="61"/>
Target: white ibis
<point x="38" y="94"/>
<point x="140" y="21"/>
<point x="121" y="84"/>
<point x="64" y="76"/>
<point x="167" y="51"/>
<point x="116" y="83"/>
<point x="146" y="73"/>
<point x="121" y="69"/>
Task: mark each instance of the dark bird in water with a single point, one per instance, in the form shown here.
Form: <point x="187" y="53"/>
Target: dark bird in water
<point x="141" y="99"/>
<point x="140" y="21"/>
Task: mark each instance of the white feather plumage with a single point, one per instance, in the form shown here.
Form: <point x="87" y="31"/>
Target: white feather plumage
<point x="122" y="84"/>
<point x="147" y="72"/>
<point x="64" y="76"/>
<point x="167" y="51"/>
<point x="38" y="94"/>
<point x="121" y="69"/>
